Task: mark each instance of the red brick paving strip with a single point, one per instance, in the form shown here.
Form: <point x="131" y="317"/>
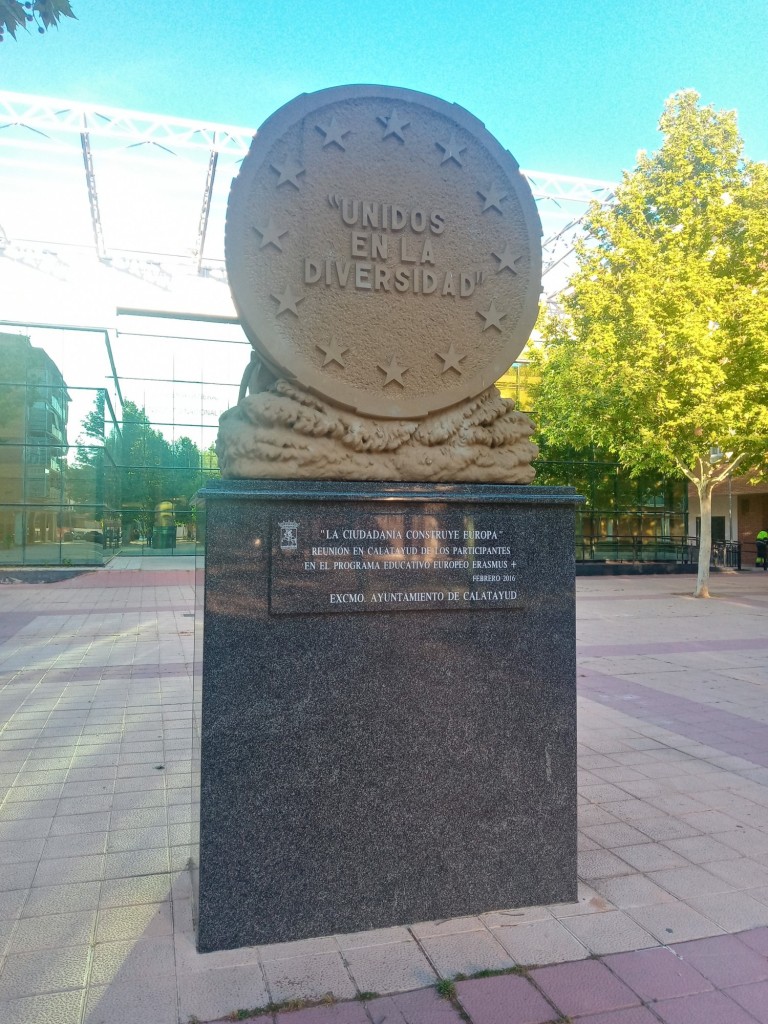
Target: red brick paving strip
<point x="131" y="578"/>
<point x="634" y="1015"/>
<point x="753" y="998"/>
<point x="705" y="1008"/>
<point x="584" y="986"/>
<point x="424" y="1006"/>
<point x="657" y="974"/>
<point x="724" y="960"/>
<point x="340" y="1013"/>
<point x="733" y="734"/>
<point x="506" y="999"/>
<point x="672" y="985"/>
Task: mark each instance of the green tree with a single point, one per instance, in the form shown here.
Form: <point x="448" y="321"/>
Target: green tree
<point x="660" y="354"/>
<point x="40" y="14"/>
<point x="130" y="466"/>
<point x="144" y="458"/>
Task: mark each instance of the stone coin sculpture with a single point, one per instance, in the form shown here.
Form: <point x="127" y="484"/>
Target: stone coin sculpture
<point x="384" y="256"/>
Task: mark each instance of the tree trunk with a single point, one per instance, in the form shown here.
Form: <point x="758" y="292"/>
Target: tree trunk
<point x="704" y="487"/>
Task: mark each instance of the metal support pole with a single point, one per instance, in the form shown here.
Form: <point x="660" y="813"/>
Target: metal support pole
<point x="206" y="207"/>
<point x="93" y="196"/>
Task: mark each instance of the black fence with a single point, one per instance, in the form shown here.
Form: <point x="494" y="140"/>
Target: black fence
<point x="681" y="551"/>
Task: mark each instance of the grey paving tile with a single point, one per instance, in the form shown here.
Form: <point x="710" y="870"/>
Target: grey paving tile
<point x="690" y="881"/>
<point x="299" y="948"/>
<point x="147" y="920"/>
<point x="540" y="942"/>
<point x="136" y="862"/>
<point x="19" y="851"/>
<point x="17" y="876"/>
<point x="375" y="937"/>
<point x="85" y="804"/>
<point x="122" y="840"/>
<point x="32" y="794"/>
<point x="522" y="915"/>
<point x="130" y="1003"/>
<point x="222" y="991"/>
<point x="62" y="899"/>
<point x="25" y="828"/>
<point x="75" y="845"/>
<point x="139" y="799"/>
<point x="732" y="911"/>
<point x="311" y="977"/>
<point x="674" y="922"/>
<point x="592" y="814"/>
<point x="11" y="904"/>
<point x="602" y="864"/>
<point x="98" y="787"/>
<point x="702" y="849"/>
<point x="665" y="828"/>
<point x="28" y="809"/>
<point x="611" y="932"/>
<point x="632" y="891"/>
<point x="394" y="967"/>
<point x="52" y="931"/>
<point x="142" y="784"/>
<point x="145" y="817"/>
<point x="42" y="971"/>
<point x="741" y="873"/>
<point x="56" y="1008"/>
<point x="61" y="870"/>
<point x="426" y="929"/>
<point x="652" y="857"/>
<point x="77" y="824"/>
<point x="7" y="928"/>
<point x="136" y="962"/>
<point x="590" y="901"/>
<point x="464" y="953"/>
<point x="611" y="836"/>
<point x="632" y="810"/>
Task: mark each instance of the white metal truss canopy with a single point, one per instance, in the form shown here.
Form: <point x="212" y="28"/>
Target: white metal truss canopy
<point x="147" y="193"/>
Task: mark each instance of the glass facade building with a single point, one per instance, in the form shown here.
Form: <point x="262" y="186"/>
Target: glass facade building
<point x="120" y="347"/>
<point x="106" y="436"/>
<point x="93" y="463"/>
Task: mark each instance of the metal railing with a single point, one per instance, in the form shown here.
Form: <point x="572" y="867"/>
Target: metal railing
<point x="682" y="551"/>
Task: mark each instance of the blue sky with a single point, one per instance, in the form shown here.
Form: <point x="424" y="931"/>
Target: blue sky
<point x="569" y="86"/>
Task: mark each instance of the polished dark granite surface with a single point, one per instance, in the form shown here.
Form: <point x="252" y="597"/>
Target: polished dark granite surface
<point x="365" y="769"/>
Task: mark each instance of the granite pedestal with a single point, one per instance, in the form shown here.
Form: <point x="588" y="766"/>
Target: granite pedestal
<point x="388" y="706"/>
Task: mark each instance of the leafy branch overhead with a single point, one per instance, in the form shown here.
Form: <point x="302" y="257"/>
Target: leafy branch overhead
<point x="39" y="14"/>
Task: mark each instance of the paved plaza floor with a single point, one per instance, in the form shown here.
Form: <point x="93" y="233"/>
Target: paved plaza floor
<point x="96" y="805"/>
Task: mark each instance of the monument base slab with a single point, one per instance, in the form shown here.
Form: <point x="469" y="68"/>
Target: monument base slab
<point x="388" y="706"/>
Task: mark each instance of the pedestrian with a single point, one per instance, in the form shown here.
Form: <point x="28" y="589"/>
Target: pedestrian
<point x="761" y="542"/>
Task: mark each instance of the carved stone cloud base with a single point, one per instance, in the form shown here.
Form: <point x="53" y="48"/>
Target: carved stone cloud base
<point x="289" y="433"/>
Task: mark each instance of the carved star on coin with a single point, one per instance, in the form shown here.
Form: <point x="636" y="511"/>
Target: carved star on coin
<point x="288" y="300"/>
<point x="394" y="125"/>
<point x="451" y="150"/>
<point x="491" y="198"/>
<point x="492" y="316"/>
<point x="271" y="234"/>
<point x="333" y="352"/>
<point x="417" y="189"/>
<point x="334" y="133"/>
<point x="288" y="172"/>
<point x="451" y="359"/>
<point x="506" y="260"/>
<point x="393" y="372"/>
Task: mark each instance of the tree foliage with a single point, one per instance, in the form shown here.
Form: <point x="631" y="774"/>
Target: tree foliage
<point x="39" y="14"/>
<point x="130" y="466"/>
<point x="660" y="354"/>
